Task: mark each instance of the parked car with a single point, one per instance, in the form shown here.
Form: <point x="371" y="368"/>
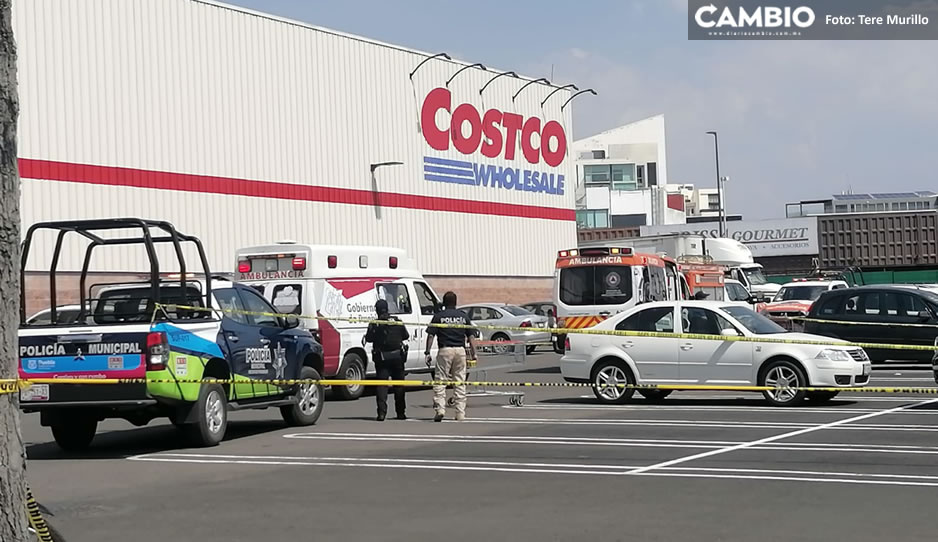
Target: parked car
<point x="737" y="294"/>
<point x="609" y="361"/>
<point x="494" y="314"/>
<point x="64" y="314"/>
<point x="876" y="314"/>
<point x="548" y="309"/>
<point x="793" y="302"/>
<point x="541" y="308"/>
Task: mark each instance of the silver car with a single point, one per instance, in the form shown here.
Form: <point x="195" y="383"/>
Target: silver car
<point x="499" y="314"/>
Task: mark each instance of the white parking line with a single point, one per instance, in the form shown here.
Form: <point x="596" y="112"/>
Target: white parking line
<point x="616" y="442"/>
<point x="698" y="424"/>
<point x="547" y="468"/>
<point x="740" y="408"/>
<point x="853" y="478"/>
<point x="851" y="396"/>
<point x="728" y="449"/>
<point x="490" y="466"/>
<point x="877" y="381"/>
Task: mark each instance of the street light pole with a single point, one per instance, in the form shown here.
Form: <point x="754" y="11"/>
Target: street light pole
<point x="720" y="210"/>
<point x="374" y="184"/>
<point x="722" y="205"/>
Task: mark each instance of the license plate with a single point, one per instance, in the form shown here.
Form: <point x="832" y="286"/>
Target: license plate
<point x="36" y="392"/>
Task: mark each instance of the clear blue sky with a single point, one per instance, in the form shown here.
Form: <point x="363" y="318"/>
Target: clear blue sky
<point x="797" y="120"/>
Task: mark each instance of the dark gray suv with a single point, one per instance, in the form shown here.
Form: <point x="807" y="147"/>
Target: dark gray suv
<point x="888" y="314"/>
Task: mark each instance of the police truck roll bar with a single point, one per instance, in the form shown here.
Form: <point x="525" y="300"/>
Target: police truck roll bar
<point x="87" y="229"/>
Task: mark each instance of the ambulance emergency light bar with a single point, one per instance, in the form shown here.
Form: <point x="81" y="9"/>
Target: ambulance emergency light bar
<point x="333" y="262"/>
<point x="298" y="263"/>
<point x="614" y="251"/>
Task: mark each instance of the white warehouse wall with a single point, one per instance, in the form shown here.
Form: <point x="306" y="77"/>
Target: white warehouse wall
<point x="242" y="128"/>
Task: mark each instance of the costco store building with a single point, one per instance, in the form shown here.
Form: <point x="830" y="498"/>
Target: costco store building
<point x="243" y="129"/>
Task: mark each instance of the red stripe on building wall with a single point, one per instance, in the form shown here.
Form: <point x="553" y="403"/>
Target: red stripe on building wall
<point x="161" y="180"/>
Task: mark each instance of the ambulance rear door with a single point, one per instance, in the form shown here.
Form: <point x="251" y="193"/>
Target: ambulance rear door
<point x="400" y="297"/>
<point x="427" y="304"/>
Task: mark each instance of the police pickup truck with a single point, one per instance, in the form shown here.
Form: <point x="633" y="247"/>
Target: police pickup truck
<point x="191" y="366"/>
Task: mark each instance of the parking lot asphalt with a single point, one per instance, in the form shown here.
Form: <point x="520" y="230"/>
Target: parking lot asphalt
<point x="700" y="466"/>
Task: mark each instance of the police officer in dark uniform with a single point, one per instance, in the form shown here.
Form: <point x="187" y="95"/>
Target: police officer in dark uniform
<point x="389" y="352"/>
<point x="451" y="357"/>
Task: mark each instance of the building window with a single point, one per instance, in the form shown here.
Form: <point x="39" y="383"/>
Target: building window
<point x="623" y="177"/>
<point x="904" y="205"/>
<point x="713" y="202"/>
<point x="840" y="209"/>
<point x="589" y="218"/>
<point x="596" y="174"/>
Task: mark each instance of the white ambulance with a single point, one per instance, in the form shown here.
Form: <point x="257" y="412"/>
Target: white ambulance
<point x="342" y="282"/>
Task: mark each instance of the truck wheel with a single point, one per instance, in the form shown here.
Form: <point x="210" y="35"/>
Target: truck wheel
<point x="558" y="344"/>
<point x="74" y="432"/>
<point x="529" y="349"/>
<point x="211" y="410"/>
<point x="309" y="399"/>
<point x="353" y="368"/>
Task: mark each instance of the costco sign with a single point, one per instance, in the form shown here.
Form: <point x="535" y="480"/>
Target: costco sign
<point x="493" y="133"/>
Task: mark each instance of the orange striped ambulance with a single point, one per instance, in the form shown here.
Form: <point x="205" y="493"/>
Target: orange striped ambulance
<point x="592" y="284"/>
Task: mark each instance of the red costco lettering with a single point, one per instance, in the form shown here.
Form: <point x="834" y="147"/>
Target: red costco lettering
<point x="438" y="98"/>
<point x="466" y="113"/>
<point x="531" y="126"/>
<point x="492" y="145"/>
<point x="496" y="132"/>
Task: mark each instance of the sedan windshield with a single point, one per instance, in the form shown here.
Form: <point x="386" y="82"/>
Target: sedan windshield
<point x="516" y="311"/>
<point x="799" y="293"/>
<point x="754" y="322"/>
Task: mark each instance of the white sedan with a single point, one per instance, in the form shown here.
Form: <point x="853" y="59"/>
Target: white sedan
<point x="609" y="361"/>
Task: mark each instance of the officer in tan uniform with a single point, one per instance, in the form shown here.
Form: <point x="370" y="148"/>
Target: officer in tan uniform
<point x="451" y="359"/>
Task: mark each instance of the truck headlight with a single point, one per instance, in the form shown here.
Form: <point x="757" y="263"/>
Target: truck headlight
<point x="833" y="355"/>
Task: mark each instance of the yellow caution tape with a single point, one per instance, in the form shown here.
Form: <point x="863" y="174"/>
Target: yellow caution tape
<point x="571" y="331"/>
<point x="36" y="521"/>
<point x="846" y="323"/>
<point x="473" y="383"/>
<point x="12" y="386"/>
